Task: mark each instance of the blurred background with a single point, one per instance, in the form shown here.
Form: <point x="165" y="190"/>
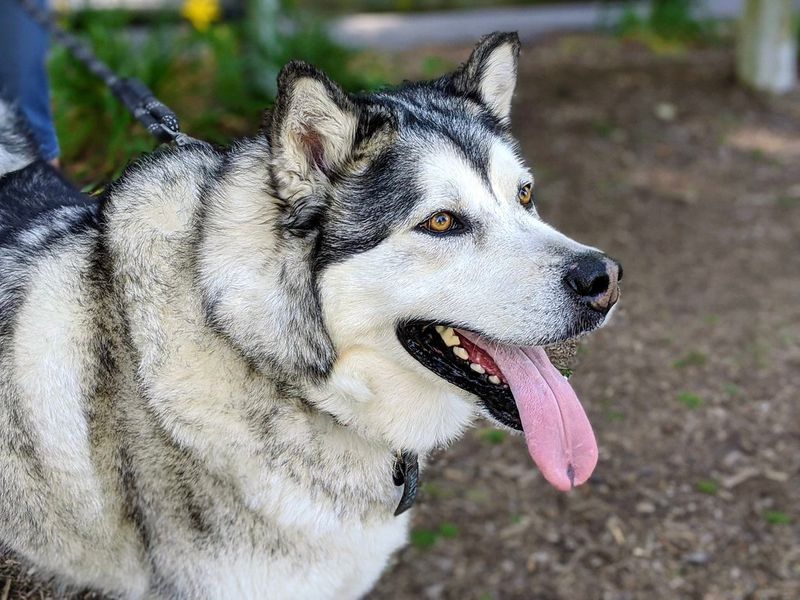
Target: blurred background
<point x="665" y="132"/>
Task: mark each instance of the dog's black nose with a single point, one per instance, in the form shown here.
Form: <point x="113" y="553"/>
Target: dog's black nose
<point x="595" y="278"/>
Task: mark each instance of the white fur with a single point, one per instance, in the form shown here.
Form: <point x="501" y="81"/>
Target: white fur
<point x="376" y="386"/>
<point x="498" y="80"/>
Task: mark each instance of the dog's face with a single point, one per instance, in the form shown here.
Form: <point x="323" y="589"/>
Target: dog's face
<point x="437" y="279"/>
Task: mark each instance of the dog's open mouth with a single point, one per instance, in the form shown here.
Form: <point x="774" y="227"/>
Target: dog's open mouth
<point x="519" y="387"/>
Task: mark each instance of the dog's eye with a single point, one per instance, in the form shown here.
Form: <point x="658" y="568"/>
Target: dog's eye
<point x="441" y="222"/>
<point x="525" y="194"/>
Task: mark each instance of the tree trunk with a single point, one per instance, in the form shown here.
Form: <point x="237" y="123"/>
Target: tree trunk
<point x="767" y="49"/>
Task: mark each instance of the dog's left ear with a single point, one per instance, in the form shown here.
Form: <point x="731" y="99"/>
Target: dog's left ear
<point x="313" y="124"/>
<point x="490" y="74"/>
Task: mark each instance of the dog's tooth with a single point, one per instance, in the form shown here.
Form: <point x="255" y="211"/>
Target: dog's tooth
<point x="494" y="379"/>
<point x="439" y="328"/>
<point x="477" y="368"/>
<point x="449" y="336"/>
<point x="452" y="340"/>
<point x="461" y="353"/>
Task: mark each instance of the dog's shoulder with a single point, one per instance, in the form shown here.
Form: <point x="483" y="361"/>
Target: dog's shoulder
<point x="158" y="199"/>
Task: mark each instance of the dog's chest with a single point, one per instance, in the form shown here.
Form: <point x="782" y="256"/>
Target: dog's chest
<point x="343" y="563"/>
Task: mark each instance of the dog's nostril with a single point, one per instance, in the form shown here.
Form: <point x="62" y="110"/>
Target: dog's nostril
<point x="598" y="285"/>
<point x="588" y="276"/>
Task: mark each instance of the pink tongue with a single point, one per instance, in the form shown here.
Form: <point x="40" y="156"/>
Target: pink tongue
<point x="559" y="436"/>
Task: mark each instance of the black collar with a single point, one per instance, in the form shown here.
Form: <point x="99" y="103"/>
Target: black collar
<point x="406" y="473"/>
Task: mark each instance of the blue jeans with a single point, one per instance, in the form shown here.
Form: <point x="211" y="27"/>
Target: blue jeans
<point x="23" y="78"/>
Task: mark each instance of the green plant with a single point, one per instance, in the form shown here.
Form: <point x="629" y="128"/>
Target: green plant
<point x="202" y="76"/>
<point x="667" y="24"/>
<point x="448" y="530"/>
<point x="610" y="411"/>
<point x="777" y="517"/>
<point x="492" y="436"/>
<point x="423" y="538"/>
<point x="733" y="390"/>
<point x="690" y="400"/>
<point x="692" y="359"/>
<point x="707" y="486"/>
<point x="675" y="19"/>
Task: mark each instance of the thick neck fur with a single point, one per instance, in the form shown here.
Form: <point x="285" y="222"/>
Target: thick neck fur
<point x="261" y="292"/>
<point x="227" y="333"/>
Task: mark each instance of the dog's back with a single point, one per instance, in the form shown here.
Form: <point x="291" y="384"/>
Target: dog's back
<point x="53" y="331"/>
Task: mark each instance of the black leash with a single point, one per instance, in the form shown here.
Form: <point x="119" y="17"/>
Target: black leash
<point x="157" y="118"/>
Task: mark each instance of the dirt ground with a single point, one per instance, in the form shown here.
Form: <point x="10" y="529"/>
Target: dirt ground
<point x="693" y="184"/>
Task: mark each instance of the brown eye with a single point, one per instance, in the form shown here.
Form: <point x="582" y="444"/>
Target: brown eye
<point x="440" y="222"/>
<point x="525" y="194"/>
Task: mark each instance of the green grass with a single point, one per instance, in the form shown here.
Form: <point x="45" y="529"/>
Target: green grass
<point x="777" y="517"/>
<point x="424" y="538"/>
<point x="448" y="530"/>
<point x="690" y="400"/>
<point x="669" y="25"/>
<point x="434" y="490"/>
<point x="707" y="486"/>
<point x="788" y="201"/>
<point x="733" y="390"/>
<point x="478" y="495"/>
<point x="433" y="66"/>
<point x="603" y="128"/>
<point x="610" y="411"/>
<point x="692" y="359"/>
<point x="492" y="436"/>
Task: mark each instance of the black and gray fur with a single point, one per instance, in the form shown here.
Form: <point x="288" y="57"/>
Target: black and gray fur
<point x="175" y="418"/>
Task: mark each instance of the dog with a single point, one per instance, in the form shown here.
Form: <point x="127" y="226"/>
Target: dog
<point x="218" y="380"/>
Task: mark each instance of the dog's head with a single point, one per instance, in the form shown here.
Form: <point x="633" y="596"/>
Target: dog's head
<point x="437" y="281"/>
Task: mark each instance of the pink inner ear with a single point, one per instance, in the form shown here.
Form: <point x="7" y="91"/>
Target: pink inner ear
<point x="314" y="149"/>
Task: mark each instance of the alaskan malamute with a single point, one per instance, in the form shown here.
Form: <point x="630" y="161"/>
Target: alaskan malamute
<point x="216" y="381"/>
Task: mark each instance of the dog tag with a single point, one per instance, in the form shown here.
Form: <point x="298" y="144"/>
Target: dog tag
<point x="406" y="473"/>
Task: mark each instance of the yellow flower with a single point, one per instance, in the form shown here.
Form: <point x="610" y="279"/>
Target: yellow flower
<point x="201" y="13"/>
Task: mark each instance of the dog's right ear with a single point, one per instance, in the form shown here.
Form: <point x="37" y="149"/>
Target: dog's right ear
<point x="316" y="132"/>
<point x="312" y="129"/>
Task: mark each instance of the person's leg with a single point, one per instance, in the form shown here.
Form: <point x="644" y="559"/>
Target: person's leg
<point x="23" y="78"/>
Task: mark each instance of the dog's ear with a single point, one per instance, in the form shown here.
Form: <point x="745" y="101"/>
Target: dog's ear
<point x="490" y="74"/>
<point x="316" y="132"/>
<point x="313" y="124"/>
